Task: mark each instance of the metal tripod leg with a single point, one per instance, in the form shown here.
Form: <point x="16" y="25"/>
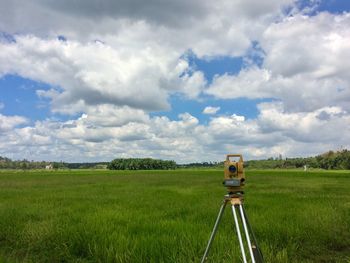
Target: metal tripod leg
<point x="237" y="204"/>
<point x="222" y="208"/>
<point x="246" y="232"/>
<point x="256" y="250"/>
<point x="239" y="233"/>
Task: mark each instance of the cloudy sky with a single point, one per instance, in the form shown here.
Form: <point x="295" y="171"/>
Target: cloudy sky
<point x="188" y="80"/>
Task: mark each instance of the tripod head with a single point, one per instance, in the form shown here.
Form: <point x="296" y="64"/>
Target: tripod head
<point x="234" y="173"/>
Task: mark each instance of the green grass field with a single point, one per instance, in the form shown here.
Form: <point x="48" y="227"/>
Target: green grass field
<point x="167" y="216"/>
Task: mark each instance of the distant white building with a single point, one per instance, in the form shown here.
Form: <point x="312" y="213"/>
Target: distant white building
<point x="49" y="167"/>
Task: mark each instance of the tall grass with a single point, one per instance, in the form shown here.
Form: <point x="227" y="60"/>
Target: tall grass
<point x="167" y="216"/>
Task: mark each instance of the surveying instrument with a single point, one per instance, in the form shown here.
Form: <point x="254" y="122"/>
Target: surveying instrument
<point x="234" y="182"/>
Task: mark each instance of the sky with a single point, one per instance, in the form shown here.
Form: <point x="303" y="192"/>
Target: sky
<point x="186" y="80"/>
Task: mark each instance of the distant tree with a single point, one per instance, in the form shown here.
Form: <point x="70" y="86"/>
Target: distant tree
<point x="345" y="160"/>
<point x="140" y="164"/>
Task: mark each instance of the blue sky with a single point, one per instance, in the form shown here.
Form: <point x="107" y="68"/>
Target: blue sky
<point x="240" y="78"/>
<point x="333" y="6"/>
<point x="19" y="98"/>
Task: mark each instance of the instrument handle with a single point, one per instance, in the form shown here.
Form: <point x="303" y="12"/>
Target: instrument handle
<point x="234" y="155"/>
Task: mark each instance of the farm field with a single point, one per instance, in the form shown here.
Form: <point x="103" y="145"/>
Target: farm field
<point x="167" y="216"/>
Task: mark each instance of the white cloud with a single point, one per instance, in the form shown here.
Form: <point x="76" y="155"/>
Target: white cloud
<point x="249" y="83"/>
<point x="112" y="116"/>
<point x="121" y="62"/>
<point x="317" y="46"/>
<point x="89" y="74"/>
<point x="208" y="28"/>
<point x="211" y="110"/>
<point x="193" y="84"/>
<point x="136" y="61"/>
<point x="274" y="132"/>
<point x="305" y="65"/>
<point x="7" y="123"/>
<point x="306" y="127"/>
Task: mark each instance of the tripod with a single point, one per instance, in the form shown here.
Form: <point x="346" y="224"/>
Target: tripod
<point x="236" y="200"/>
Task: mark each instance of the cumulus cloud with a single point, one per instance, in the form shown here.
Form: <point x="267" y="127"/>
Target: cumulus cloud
<point x="316" y="45"/>
<point x="210" y="110"/>
<point x="112" y="116"/>
<point x="273" y="132"/>
<point x="90" y="74"/>
<point x="7" y="123"/>
<point x="249" y="83"/>
<point x="306" y="127"/>
<point x="119" y="63"/>
<point x="121" y="55"/>
<point x="208" y="28"/>
<point x="305" y="65"/>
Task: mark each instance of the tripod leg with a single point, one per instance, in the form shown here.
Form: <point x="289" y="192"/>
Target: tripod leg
<point x="222" y="208"/>
<point x="239" y="233"/>
<point x="246" y="233"/>
<point x="256" y="250"/>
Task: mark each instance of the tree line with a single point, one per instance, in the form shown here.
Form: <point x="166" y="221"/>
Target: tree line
<point x="339" y="160"/>
<point x="141" y="164"/>
<point x="329" y="160"/>
<point x="6" y="163"/>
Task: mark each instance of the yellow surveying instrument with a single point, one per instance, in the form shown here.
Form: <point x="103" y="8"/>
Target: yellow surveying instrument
<point x="234" y="182"/>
